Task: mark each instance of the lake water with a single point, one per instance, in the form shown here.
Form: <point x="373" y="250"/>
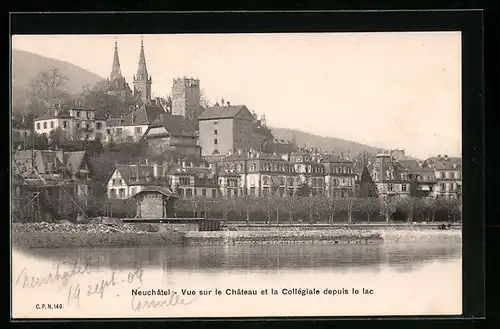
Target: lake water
<point x="390" y="279"/>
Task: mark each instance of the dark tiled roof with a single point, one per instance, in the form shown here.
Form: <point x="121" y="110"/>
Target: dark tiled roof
<point x="145" y="115"/>
<point x="127" y="171"/>
<point x="176" y="125"/>
<point x="156" y="189"/>
<point x="331" y="158"/>
<point x="64" y="114"/>
<point x="45" y="158"/>
<point x="221" y="112"/>
<point x="412" y="165"/>
<point x="442" y="163"/>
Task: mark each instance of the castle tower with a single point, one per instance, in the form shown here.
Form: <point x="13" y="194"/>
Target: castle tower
<point x="186" y="97"/>
<point x="115" y="69"/>
<point x="142" y="80"/>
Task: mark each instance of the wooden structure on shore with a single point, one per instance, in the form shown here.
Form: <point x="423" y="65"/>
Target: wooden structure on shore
<point x="45" y="198"/>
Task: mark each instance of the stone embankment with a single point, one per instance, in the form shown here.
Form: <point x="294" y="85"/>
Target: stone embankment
<point x="50" y="235"/>
<point x="282" y="237"/>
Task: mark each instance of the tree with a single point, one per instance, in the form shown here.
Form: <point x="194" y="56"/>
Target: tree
<point x="332" y="206"/>
<point x="388" y="206"/>
<point x="276" y="202"/>
<point x="368" y="206"/>
<point x="408" y="205"/>
<point x="303" y="190"/>
<point x="181" y="206"/>
<point x="204" y="101"/>
<point x="58" y="138"/>
<point x="349" y="205"/>
<point x="41" y="142"/>
<point x="247" y="204"/>
<point x="49" y="86"/>
<point x="291" y="205"/>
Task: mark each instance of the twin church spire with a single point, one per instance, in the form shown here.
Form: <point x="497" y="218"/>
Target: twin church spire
<point x="142" y="80"/>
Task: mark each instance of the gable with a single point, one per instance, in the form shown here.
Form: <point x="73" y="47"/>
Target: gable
<point x="244" y="114"/>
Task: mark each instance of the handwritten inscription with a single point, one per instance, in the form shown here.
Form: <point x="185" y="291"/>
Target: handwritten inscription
<point x="27" y="281"/>
<point x="99" y="288"/>
<point x="172" y="300"/>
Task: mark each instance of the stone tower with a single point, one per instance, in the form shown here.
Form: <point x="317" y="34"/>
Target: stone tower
<point x="186" y="97"/>
<point x="142" y="80"/>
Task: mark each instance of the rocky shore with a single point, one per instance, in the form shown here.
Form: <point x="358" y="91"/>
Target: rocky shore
<point x="50" y="235"/>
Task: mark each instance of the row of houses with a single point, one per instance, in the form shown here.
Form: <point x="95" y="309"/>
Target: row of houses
<point x="260" y="174"/>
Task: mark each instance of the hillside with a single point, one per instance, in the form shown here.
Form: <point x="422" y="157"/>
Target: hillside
<point x="26" y="65"/>
<point x="326" y="143"/>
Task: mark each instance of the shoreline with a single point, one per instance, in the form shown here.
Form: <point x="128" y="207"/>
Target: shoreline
<point x="45" y="235"/>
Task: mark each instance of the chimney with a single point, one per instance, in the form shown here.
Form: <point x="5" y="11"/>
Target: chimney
<point x="446" y="156"/>
<point x="420" y="164"/>
<point x="183" y="163"/>
<point x="228" y="104"/>
<point x="222" y="101"/>
<point x="146" y="161"/>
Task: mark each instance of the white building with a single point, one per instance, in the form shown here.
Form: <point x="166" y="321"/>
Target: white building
<point x="132" y="126"/>
<point x="76" y="122"/>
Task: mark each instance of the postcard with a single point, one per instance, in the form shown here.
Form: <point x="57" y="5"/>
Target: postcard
<point x="236" y="175"/>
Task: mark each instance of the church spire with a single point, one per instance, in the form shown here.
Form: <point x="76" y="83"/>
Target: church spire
<point x="115" y="70"/>
<point x="142" y="71"/>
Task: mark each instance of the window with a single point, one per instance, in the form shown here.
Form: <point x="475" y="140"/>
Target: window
<point x="189" y="193"/>
<point x="215" y="141"/>
<point x="109" y="131"/>
<point x="99" y="125"/>
<point x="122" y="193"/>
<point x="215" y="132"/>
<point x="403" y="188"/>
<point x="438" y="174"/>
<point x="138" y="130"/>
<point x="51" y="124"/>
<point x="194" y="192"/>
<point x="38" y="125"/>
<point x="282" y="181"/>
<point x="253" y="167"/>
<point x="252" y="191"/>
<point x="88" y="126"/>
<point x="132" y="190"/>
<point x="214" y="193"/>
<point x="204" y="192"/>
<point x="119" y="131"/>
<point x="45" y="125"/>
<point x="77" y="114"/>
<point x="390" y="187"/>
<point x="441" y="187"/>
<point x="87" y="115"/>
<point x="77" y="126"/>
<point x="181" y="192"/>
<point x="112" y="193"/>
<point x="452" y="175"/>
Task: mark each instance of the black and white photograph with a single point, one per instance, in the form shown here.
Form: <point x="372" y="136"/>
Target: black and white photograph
<point x="236" y="175"/>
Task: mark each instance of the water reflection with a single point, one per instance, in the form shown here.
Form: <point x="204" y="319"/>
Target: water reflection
<point x="259" y="258"/>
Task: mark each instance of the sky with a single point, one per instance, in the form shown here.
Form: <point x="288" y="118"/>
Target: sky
<point x="389" y="90"/>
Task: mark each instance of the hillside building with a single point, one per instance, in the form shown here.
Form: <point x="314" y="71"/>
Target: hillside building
<point x="228" y="128"/>
<point x="173" y="134"/>
<point x="133" y="126"/>
<point x="75" y="122"/>
<point x="448" y="176"/>
<point x="339" y="174"/>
